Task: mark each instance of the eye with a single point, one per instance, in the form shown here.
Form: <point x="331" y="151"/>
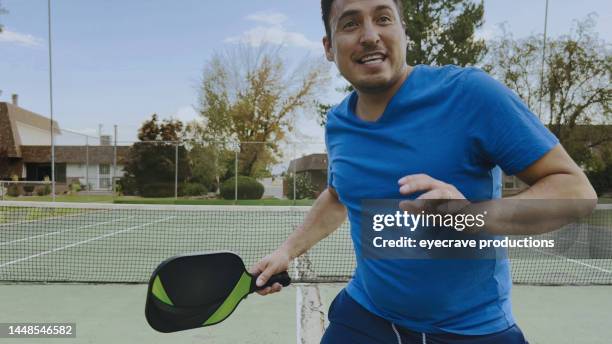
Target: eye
<point x="349" y="24"/>
<point x="384" y="19"/>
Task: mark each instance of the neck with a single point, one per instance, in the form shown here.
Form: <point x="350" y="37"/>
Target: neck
<point x="371" y="105"/>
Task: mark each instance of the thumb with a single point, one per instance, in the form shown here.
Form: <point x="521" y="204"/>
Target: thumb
<point x="265" y="276"/>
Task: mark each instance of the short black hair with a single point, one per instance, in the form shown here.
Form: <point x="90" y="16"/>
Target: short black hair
<point x="326" y="11"/>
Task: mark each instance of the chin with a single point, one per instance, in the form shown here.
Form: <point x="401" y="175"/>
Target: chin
<point x="373" y="84"/>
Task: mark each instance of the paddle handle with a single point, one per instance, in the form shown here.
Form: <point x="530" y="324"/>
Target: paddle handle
<point x="282" y="278"/>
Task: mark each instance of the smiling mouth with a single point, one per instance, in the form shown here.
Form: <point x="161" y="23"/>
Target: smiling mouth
<point x="372" y="59"/>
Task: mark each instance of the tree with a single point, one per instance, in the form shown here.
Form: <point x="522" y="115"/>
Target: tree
<point x="248" y="97"/>
<point x="208" y="163"/>
<point x="150" y="168"/>
<point x="575" y="92"/>
<point x="441" y="32"/>
<point x="2" y="11"/>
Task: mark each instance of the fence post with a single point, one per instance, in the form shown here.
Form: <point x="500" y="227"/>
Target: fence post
<point x="236" y="176"/>
<point x="176" y="168"/>
<point x="87" y="164"/>
<point x="114" y="165"/>
<point x="294" y="174"/>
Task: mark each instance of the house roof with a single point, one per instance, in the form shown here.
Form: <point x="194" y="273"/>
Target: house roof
<point x="312" y="162"/>
<point x="9" y="135"/>
<point x="75" y="154"/>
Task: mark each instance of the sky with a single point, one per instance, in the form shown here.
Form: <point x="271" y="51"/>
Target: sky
<point x="118" y="62"/>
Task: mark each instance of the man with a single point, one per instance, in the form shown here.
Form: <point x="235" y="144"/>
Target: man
<point x="418" y="132"/>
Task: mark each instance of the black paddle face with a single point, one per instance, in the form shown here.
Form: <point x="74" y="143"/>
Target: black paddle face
<point x="196" y="290"/>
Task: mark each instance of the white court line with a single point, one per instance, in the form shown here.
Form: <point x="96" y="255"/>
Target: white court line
<point x="576" y="241"/>
<point x="50" y="218"/>
<point x="576" y="261"/>
<point x="68" y="230"/>
<point x="82" y="242"/>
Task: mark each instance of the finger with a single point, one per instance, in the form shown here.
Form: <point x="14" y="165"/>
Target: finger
<point x="258" y="267"/>
<point x="265" y="291"/>
<point x="412" y="178"/>
<point x="415" y="206"/>
<point x="436" y="194"/>
<point x="254" y="270"/>
<point x="263" y="278"/>
<point x="265" y="275"/>
<point x="418" y="183"/>
<point x="275" y="288"/>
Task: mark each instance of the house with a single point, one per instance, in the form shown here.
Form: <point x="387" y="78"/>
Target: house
<point x="314" y="167"/>
<point x="25" y="140"/>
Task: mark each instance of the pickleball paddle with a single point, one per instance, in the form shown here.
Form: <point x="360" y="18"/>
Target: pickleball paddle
<point x="197" y="290"/>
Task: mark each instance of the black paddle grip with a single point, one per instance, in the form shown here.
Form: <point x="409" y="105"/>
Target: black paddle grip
<point x="282" y="278"/>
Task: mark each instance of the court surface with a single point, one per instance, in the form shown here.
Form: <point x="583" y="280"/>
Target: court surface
<point x="87" y="246"/>
<point x="115" y="314"/>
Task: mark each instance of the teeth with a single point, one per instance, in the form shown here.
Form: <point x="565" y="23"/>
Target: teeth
<point x="376" y="58"/>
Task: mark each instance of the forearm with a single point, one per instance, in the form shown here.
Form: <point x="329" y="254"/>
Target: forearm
<point x="325" y="216"/>
<point x="550" y="203"/>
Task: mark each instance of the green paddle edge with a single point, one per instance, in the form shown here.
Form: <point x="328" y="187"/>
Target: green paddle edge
<point x="240" y="291"/>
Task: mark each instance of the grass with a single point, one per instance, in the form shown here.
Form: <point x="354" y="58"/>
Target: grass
<point x="169" y="201"/>
<point x="182" y="201"/>
<point x="64" y="198"/>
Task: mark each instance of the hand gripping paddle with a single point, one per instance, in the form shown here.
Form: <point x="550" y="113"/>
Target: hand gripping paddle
<point x="199" y="290"/>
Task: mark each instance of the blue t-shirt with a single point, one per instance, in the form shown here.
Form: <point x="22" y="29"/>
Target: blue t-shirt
<point x="457" y="125"/>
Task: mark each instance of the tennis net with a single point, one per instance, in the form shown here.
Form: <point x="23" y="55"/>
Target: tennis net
<point x="65" y="242"/>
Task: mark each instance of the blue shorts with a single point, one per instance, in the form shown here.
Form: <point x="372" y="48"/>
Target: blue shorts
<point x="350" y="323"/>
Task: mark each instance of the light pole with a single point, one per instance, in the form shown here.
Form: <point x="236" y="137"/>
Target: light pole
<point x="51" y="104"/>
<point x="543" y="61"/>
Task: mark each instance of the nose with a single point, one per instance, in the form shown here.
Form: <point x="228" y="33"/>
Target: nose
<point x="369" y="36"/>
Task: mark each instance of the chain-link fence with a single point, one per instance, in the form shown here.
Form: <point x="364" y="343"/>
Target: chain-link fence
<point x="245" y="172"/>
<point x="68" y="164"/>
<point x="83" y="167"/>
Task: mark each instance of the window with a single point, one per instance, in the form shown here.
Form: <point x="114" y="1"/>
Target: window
<point x="104" y="176"/>
<point x="104" y="169"/>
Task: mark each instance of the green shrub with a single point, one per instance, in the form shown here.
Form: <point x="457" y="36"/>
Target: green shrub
<point x="28" y="190"/>
<point x="248" y="188"/>
<point x="75" y="187"/>
<point x="194" y="189"/>
<point x="43" y="190"/>
<point x="157" y="190"/>
<point x="303" y="187"/>
<point x="13" y="190"/>
<point x="127" y="186"/>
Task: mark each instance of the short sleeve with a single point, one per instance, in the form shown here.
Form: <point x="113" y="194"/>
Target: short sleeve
<point x="508" y="134"/>
<point x="330" y="173"/>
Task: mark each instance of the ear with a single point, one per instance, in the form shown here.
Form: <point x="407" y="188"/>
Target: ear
<point x="329" y="54"/>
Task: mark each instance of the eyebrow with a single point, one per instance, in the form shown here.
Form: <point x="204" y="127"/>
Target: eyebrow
<point x="350" y="13"/>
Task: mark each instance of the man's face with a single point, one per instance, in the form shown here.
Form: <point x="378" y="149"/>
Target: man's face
<point x="368" y="43"/>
